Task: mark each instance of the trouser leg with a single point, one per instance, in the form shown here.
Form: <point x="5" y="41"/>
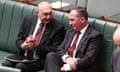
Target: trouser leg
<point x="31" y="67"/>
<point x="9" y="63"/>
<point x="53" y="62"/>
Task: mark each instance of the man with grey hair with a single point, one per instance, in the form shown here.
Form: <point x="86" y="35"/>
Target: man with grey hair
<point x="39" y="34"/>
<point x="116" y="52"/>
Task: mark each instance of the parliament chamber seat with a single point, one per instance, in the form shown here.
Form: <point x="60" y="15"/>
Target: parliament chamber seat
<point x="11" y="17"/>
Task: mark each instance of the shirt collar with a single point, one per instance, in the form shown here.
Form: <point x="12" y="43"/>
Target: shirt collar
<point x="84" y="29"/>
<point x="39" y="20"/>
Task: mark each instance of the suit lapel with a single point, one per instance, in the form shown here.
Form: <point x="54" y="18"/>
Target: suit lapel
<point x="82" y="41"/>
<point x="46" y="33"/>
<point x="34" y="21"/>
<point x="70" y="38"/>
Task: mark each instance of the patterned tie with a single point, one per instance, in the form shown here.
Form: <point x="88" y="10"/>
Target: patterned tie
<point x="71" y="49"/>
<point x="39" y="32"/>
<point x="37" y="38"/>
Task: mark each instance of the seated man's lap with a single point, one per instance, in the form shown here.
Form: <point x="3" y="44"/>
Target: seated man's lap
<point x="29" y="67"/>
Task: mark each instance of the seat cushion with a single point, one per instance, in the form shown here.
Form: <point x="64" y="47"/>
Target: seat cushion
<point x="4" y="54"/>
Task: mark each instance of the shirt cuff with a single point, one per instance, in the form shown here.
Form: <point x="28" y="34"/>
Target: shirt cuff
<point x="64" y="57"/>
<point x="67" y="67"/>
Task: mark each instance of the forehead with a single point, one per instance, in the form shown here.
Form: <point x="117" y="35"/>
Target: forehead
<point x="73" y="13"/>
<point x="45" y="8"/>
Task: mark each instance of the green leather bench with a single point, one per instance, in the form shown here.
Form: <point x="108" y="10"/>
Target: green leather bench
<point x="12" y="14"/>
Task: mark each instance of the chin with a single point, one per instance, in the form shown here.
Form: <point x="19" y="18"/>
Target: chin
<point x="75" y="29"/>
<point x="46" y="22"/>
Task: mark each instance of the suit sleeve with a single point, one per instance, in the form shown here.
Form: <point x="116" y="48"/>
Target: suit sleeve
<point x="115" y="60"/>
<point x="23" y="33"/>
<point x="91" y="50"/>
<point x="61" y="49"/>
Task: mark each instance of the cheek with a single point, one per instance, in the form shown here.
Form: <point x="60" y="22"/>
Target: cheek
<point x="77" y="24"/>
<point x="117" y="43"/>
<point x="42" y="17"/>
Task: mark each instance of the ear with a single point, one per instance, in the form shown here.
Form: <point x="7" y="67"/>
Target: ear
<point x="37" y="12"/>
<point x="83" y="19"/>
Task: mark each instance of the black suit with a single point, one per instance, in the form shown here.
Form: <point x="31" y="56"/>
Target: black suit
<point x="51" y="38"/>
<point x="116" y="61"/>
<point x="87" y="51"/>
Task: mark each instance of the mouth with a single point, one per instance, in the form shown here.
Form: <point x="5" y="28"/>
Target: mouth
<point x="45" y="22"/>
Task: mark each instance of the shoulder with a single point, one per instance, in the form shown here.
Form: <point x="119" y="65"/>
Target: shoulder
<point x="94" y="32"/>
<point x="29" y="20"/>
<point x="115" y="56"/>
<point x="69" y="31"/>
<point x="30" y="17"/>
<point x="56" y="24"/>
<point x="116" y="53"/>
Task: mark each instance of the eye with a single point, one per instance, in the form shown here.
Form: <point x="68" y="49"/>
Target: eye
<point x="71" y="19"/>
<point x="50" y="13"/>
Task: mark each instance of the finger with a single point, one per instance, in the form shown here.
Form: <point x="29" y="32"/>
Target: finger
<point x="30" y="37"/>
<point x="62" y="68"/>
<point x="77" y="58"/>
<point x="73" y="67"/>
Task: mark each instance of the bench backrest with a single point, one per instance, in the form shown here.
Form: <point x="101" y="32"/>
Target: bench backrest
<point x="12" y="14"/>
<point x="107" y="29"/>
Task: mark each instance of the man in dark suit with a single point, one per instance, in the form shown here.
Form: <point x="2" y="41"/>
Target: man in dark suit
<point x="79" y="49"/>
<point x="116" y="52"/>
<point x="50" y="35"/>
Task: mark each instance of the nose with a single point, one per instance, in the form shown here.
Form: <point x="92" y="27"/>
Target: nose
<point x="48" y="16"/>
<point x="70" y="24"/>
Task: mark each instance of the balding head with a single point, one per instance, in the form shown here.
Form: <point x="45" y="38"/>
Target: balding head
<point x="116" y="37"/>
<point x="44" y="12"/>
<point x="44" y="5"/>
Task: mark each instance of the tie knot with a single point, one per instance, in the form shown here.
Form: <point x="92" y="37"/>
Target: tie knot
<point x="41" y="24"/>
<point x="78" y="32"/>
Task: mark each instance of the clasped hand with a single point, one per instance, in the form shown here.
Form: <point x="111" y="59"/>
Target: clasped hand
<point x="72" y="62"/>
<point x="30" y="43"/>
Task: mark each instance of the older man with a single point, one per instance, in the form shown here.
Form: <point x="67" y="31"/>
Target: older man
<point x="116" y="53"/>
<point x="39" y="34"/>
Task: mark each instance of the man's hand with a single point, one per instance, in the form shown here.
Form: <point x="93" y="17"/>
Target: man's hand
<point x="29" y="43"/>
<point x="72" y="62"/>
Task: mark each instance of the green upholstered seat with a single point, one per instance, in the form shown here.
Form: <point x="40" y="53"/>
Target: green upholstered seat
<point x="11" y="17"/>
<point x="58" y="15"/>
<point x="5" y="24"/>
<point x="65" y="21"/>
<point x="62" y="18"/>
<point x="107" y="29"/>
<point x="1" y="10"/>
<point x="3" y="54"/>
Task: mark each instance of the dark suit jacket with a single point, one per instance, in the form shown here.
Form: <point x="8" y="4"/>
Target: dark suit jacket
<point x="116" y="61"/>
<point x="87" y="48"/>
<point x="51" y="39"/>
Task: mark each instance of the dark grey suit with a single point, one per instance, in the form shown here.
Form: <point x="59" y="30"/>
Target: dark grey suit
<point x="87" y="51"/>
<point x="116" y="61"/>
<point x="51" y="39"/>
